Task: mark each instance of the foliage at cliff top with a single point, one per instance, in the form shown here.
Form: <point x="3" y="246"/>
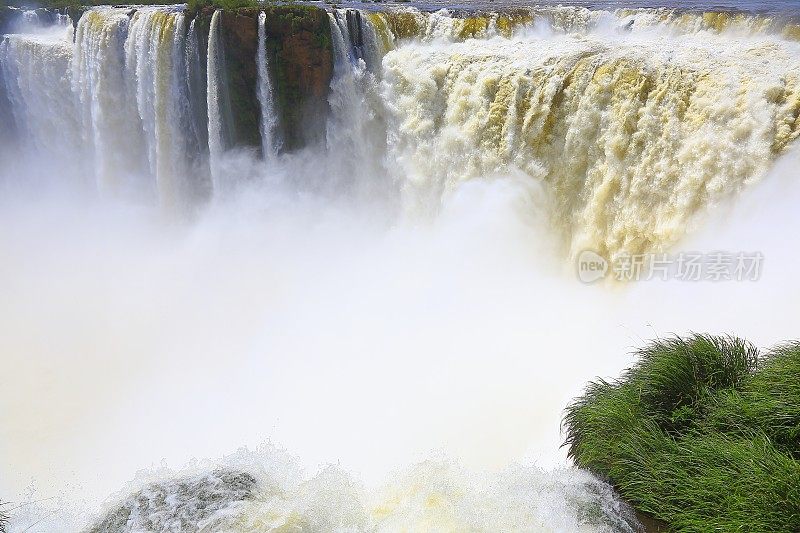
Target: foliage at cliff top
<point x="196" y="5"/>
<point x="702" y="432"/>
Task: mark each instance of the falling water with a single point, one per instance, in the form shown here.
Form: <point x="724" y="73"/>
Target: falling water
<point x="214" y="106"/>
<point x="30" y="17"/>
<point x="106" y="106"/>
<point x="154" y="67"/>
<point x="269" y="117"/>
<point x="635" y="131"/>
<point x="356" y="130"/>
<point x="36" y="75"/>
<point x="196" y="137"/>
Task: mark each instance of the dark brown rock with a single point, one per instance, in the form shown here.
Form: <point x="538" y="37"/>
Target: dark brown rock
<point x="300" y="55"/>
<point x="300" y="59"/>
<point x="238" y="32"/>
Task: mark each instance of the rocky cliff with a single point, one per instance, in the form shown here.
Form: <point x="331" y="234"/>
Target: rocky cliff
<point x="300" y="59"/>
<point x="300" y="51"/>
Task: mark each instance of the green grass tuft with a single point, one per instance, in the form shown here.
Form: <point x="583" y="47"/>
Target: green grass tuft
<point x="701" y="433"/>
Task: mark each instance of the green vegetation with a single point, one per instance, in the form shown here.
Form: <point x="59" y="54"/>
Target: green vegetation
<point x="196" y="5"/>
<point x="702" y="433"/>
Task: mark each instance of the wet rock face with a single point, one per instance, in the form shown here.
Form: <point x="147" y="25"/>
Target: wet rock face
<point x="184" y="504"/>
<point x="300" y="58"/>
<point x="300" y="55"/>
<point x="239" y="35"/>
<point x="75" y="12"/>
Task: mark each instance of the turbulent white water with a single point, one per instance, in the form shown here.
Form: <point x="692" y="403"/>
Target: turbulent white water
<point x="635" y="132"/>
<point x="37" y="76"/>
<point x="393" y="303"/>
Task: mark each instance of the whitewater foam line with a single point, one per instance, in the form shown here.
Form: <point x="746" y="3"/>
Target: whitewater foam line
<point x="252" y="492"/>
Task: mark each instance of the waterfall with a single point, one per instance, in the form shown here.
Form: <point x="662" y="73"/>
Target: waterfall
<point x="356" y="130"/>
<point x="154" y="67"/>
<point x="11" y="103"/>
<point x="7" y="111"/>
<point x="634" y="121"/>
<point x="107" y="107"/>
<point x="30" y="17"/>
<point x="633" y="134"/>
<point x="120" y="90"/>
<point x="269" y="117"/>
<point x="196" y="111"/>
<point x="213" y="95"/>
<point x="35" y="73"/>
<point x="63" y="19"/>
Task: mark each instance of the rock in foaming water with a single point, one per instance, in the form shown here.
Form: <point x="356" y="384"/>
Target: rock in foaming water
<point x="432" y="496"/>
<point x="183" y="504"/>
